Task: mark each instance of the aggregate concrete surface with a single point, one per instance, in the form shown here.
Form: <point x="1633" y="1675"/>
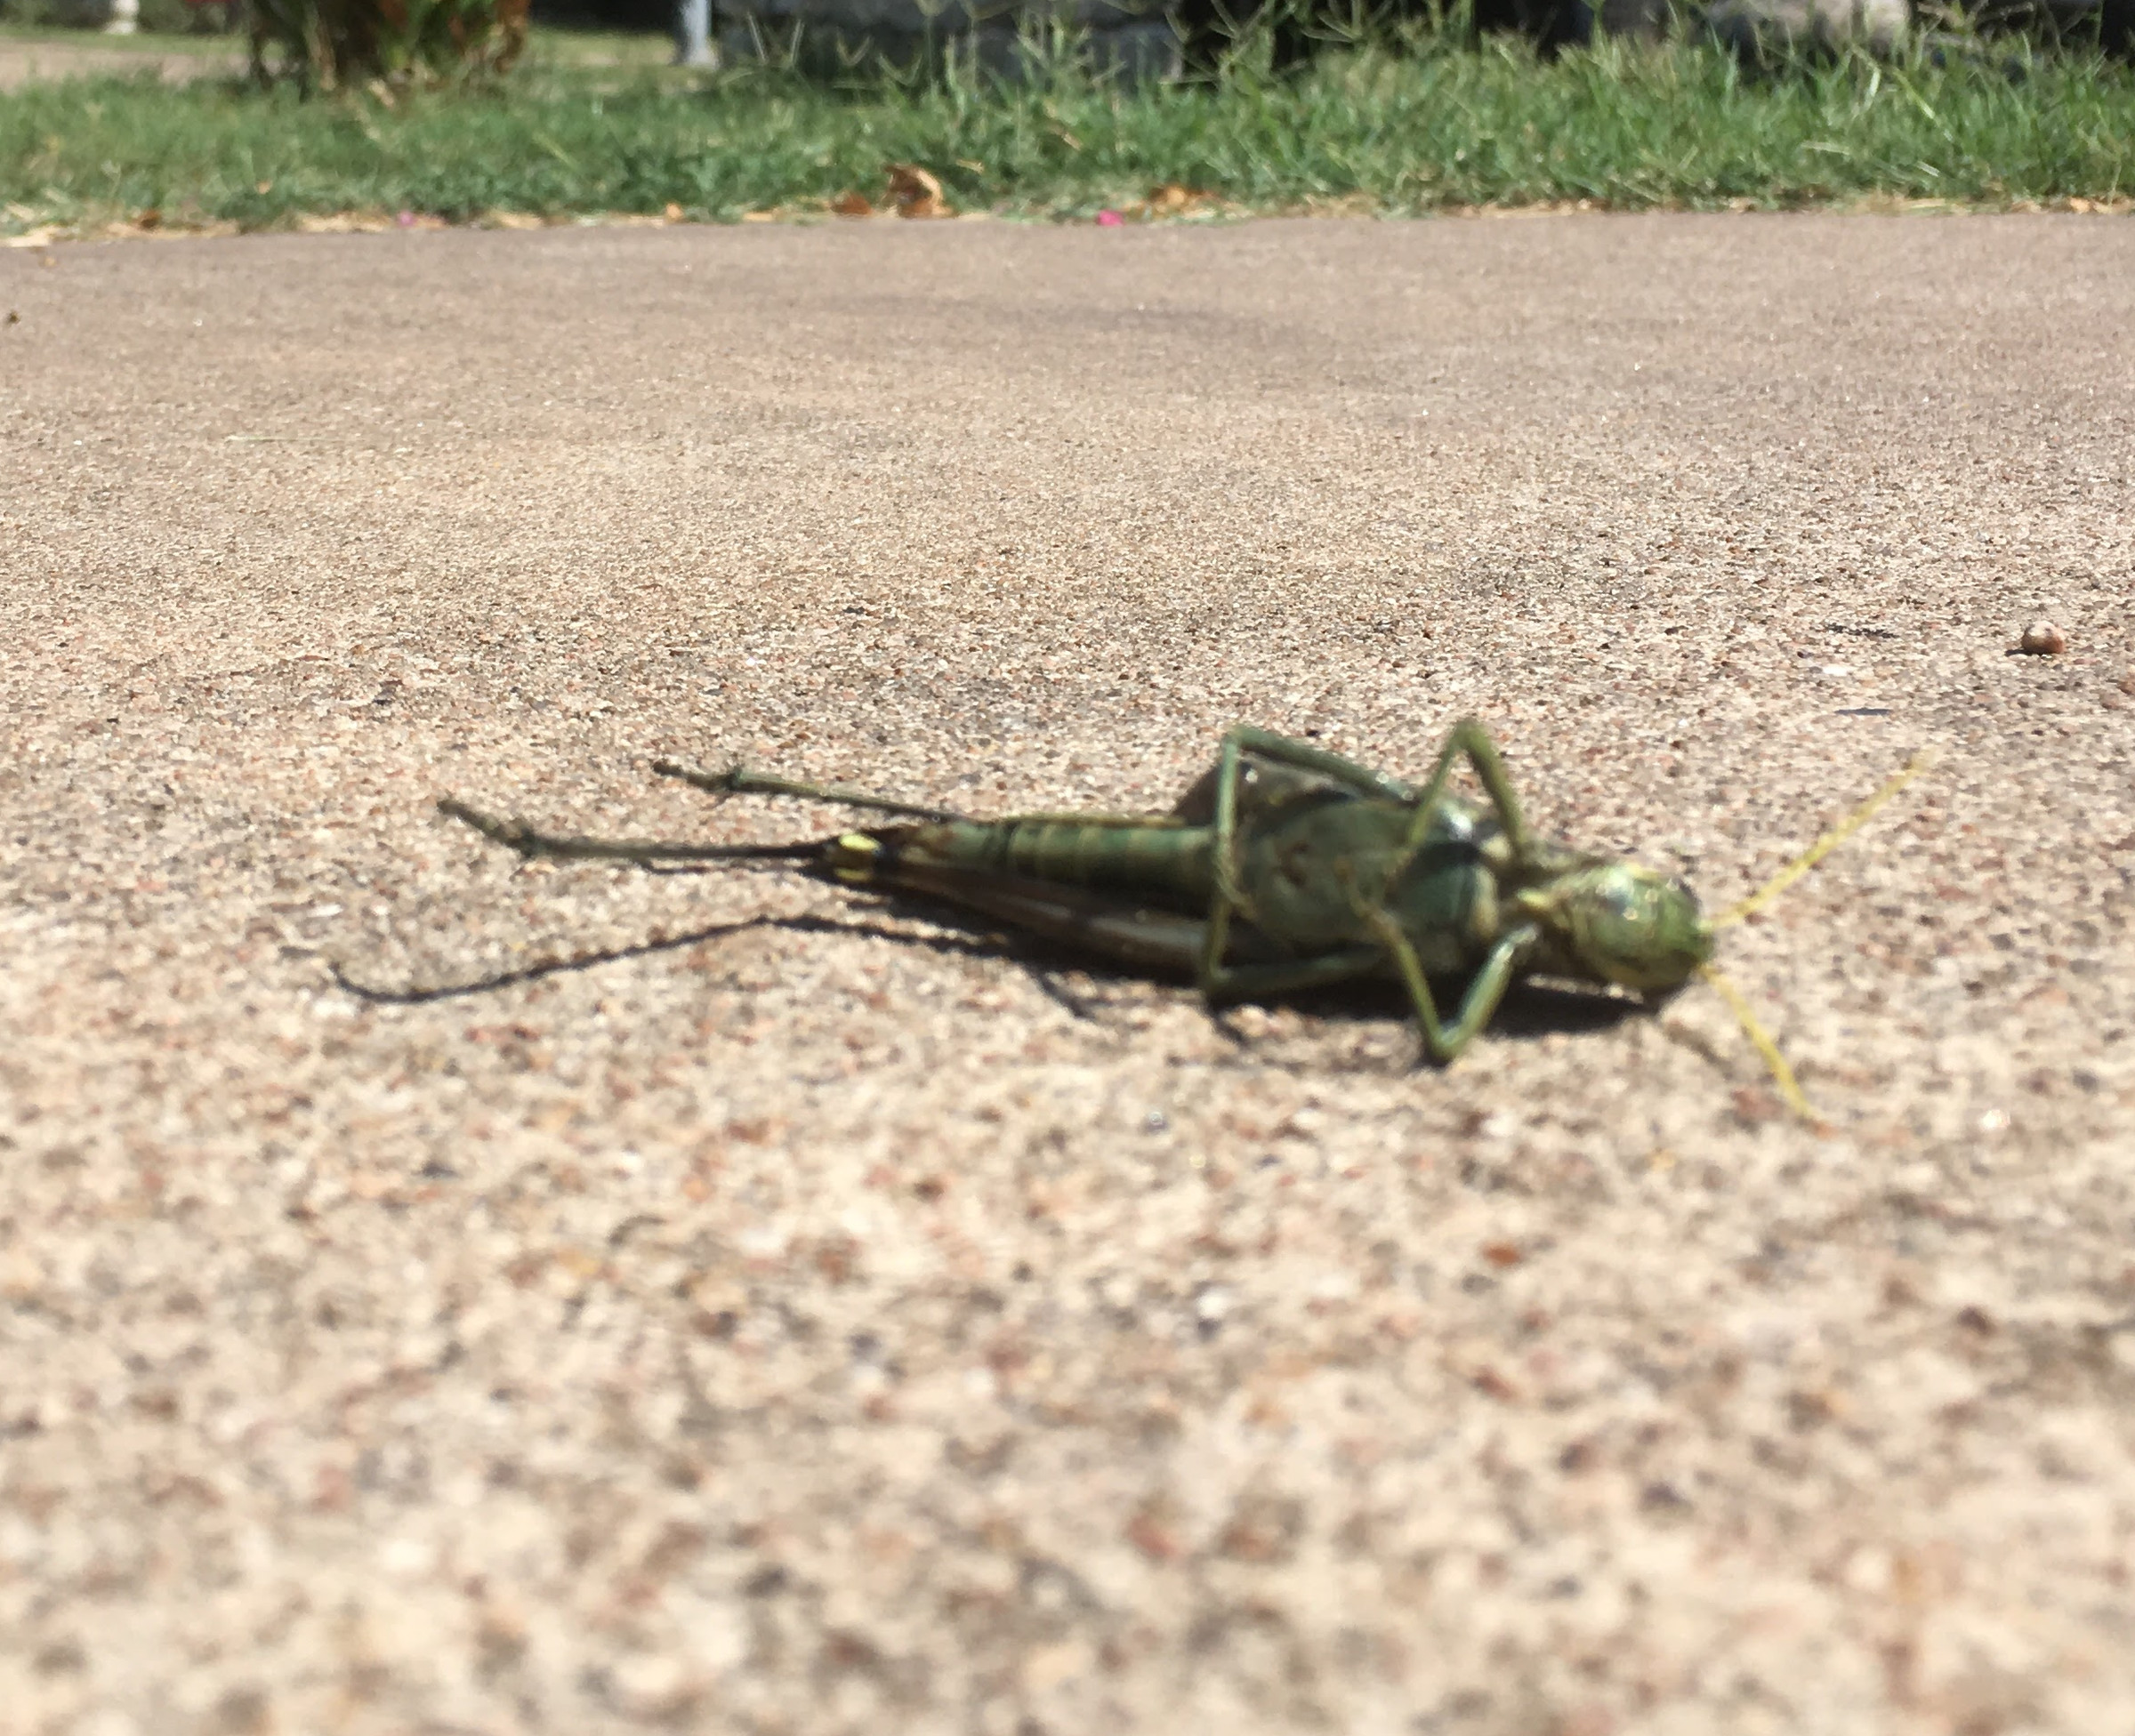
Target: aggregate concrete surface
<point x="846" y="1322"/>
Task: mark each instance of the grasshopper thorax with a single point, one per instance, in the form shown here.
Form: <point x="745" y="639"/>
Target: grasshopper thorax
<point x="1621" y="924"/>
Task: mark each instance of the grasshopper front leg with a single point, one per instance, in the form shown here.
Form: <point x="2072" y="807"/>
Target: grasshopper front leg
<point x="1442" y="1042"/>
<point x="1479" y="1005"/>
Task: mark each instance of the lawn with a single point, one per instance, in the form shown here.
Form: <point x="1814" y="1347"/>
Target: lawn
<point x="1391" y="129"/>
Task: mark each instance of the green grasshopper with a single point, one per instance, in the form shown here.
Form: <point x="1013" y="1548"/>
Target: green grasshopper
<point x="1282" y="868"/>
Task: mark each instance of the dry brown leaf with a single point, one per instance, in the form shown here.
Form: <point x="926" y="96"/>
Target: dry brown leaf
<point x="672" y="213"/>
<point x="852" y="205"/>
<point x="1176" y="199"/>
<point x="915" y="193"/>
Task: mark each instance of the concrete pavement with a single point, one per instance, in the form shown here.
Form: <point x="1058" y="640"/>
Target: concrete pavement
<point x="813" y="1328"/>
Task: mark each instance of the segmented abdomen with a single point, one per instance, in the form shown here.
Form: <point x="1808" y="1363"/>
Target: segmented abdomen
<point x="1151" y="860"/>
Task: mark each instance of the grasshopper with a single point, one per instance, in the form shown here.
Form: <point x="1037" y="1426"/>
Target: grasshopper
<point x="1284" y="867"/>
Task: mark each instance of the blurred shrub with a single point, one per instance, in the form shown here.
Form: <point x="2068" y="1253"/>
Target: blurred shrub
<point x="178" y="18"/>
<point x="165" y="18"/>
<point x="328" y="44"/>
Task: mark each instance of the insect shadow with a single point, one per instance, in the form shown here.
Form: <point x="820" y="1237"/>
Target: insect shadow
<point x="1530" y="1009"/>
<point x="652" y="947"/>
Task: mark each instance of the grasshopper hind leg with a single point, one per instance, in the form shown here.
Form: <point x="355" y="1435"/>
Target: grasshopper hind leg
<point x="736" y="781"/>
<point x="531" y="843"/>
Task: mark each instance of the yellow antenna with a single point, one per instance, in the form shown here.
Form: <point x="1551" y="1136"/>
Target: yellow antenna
<point x="1825" y="845"/>
<point x="1783" y="1075"/>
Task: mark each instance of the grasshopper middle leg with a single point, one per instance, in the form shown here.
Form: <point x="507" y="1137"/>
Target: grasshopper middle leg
<point x="1468" y="737"/>
<point x="1441" y="1041"/>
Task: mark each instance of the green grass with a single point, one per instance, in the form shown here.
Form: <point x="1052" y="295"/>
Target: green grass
<point x="1441" y="126"/>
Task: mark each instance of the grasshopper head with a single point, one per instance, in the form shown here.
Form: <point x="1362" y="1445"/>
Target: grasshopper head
<point x="1625" y="925"/>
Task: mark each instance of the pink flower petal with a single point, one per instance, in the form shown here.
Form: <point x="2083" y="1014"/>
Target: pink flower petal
<point x="1109" y="219"/>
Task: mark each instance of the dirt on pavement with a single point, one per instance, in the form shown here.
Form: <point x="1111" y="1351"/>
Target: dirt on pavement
<point x="851" y="1324"/>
